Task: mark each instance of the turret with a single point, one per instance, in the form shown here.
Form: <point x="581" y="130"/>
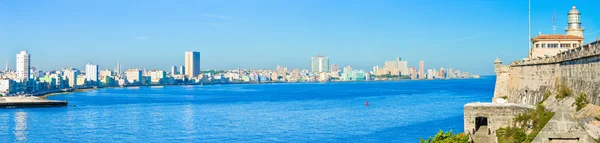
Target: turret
<point x="497" y="66"/>
<point x="574" y="27"/>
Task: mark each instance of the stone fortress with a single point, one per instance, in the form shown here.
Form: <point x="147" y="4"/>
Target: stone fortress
<point x="553" y="59"/>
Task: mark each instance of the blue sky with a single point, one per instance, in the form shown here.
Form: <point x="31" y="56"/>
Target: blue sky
<point x="154" y="34"/>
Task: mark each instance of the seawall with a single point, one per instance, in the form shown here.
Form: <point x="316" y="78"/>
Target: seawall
<point x="526" y="81"/>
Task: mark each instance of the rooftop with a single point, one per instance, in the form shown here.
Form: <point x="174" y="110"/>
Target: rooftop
<point x="556" y="37"/>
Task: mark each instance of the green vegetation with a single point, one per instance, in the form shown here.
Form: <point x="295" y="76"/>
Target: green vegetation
<point x="581" y="101"/>
<point x="546" y="96"/>
<point x="533" y="121"/>
<point x="511" y="135"/>
<point x="504" y="97"/>
<point x="447" y="137"/>
<point x="563" y="91"/>
<point x="597" y="119"/>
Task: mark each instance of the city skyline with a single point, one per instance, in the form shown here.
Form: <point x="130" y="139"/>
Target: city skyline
<point x="218" y="33"/>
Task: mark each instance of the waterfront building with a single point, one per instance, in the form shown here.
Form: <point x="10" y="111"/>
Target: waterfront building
<point x="324" y="77"/>
<point x="91" y="73"/>
<point x="106" y="72"/>
<point x="50" y="83"/>
<point x="397" y="67"/>
<point x="422" y="70"/>
<point x="358" y="75"/>
<point x="547" y="45"/>
<point x="23" y="66"/>
<point x="82" y="81"/>
<point x="182" y="70"/>
<point x="174" y="70"/>
<point x="134" y="76"/>
<point x="319" y="64"/>
<point x="7" y="86"/>
<point x="107" y="81"/>
<point x="192" y="63"/>
<point x="71" y="76"/>
<point x="158" y="76"/>
<point x="334" y="68"/>
<point x="413" y="73"/>
<point x="442" y="73"/>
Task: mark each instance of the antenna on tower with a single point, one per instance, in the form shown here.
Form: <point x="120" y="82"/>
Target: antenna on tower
<point x="554" y="21"/>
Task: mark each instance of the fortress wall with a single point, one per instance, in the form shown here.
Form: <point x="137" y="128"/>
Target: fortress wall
<point x="526" y="82"/>
<point x="498" y="115"/>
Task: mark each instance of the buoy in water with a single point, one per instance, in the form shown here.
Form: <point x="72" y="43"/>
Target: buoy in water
<point x="367" y="103"/>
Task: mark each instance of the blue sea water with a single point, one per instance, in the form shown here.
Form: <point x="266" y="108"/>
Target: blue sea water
<point x="399" y="111"/>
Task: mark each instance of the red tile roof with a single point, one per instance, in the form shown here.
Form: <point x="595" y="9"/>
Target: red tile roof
<point x="557" y="37"/>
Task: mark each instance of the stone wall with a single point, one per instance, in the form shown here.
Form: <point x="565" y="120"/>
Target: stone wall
<point x="498" y="115"/>
<point x="526" y="82"/>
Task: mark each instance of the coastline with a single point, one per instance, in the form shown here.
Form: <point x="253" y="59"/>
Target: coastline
<point x="68" y="91"/>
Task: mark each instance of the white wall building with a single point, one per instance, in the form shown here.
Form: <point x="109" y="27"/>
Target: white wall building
<point x="91" y="72"/>
<point x="23" y="65"/>
<point x="134" y="75"/>
<point x="158" y="76"/>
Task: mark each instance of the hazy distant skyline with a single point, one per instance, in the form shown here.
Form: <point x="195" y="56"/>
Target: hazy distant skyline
<point x="466" y="35"/>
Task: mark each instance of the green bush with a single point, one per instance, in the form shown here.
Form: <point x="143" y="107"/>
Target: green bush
<point x="581" y="101"/>
<point x="563" y="91"/>
<point x="447" y="137"/>
<point x="546" y="95"/>
<point x="511" y="135"/>
<point x="504" y="97"/>
<point x="533" y="120"/>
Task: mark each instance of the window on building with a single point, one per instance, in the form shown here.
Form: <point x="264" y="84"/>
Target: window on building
<point x="574" y="45"/>
<point x="537" y="45"/>
<point x="565" y="45"/>
<point x="543" y="45"/>
<point x="552" y="45"/>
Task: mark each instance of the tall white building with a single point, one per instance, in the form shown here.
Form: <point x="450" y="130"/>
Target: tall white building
<point x="174" y="70"/>
<point x="91" y="72"/>
<point x="23" y="66"/>
<point x="319" y="64"/>
<point x="192" y="63"/>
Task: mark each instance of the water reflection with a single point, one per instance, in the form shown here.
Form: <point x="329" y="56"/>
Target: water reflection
<point x="21" y="126"/>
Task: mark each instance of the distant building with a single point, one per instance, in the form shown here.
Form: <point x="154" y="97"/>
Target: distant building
<point x="547" y="45"/>
<point x="23" y="66"/>
<point x="422" y="70"/>
<point x="192" y="63"/>
<point x="71" y="76"/>
<point x="91" y="73"/>
<point x="319" y="64"/>
<point x="7" y="86"/>
<point x="174" y="70"/>
<point x="397" y="67"/>
<point x="158" y="76"/>
<point x="182" y="70"/>
<point x="134" y="76"/>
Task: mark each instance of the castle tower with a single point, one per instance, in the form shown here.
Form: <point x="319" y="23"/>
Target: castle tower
<point x="497" y="65"/>
<point x="574" y="27"/>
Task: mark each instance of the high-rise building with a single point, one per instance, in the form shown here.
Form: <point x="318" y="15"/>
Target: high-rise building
<point x="158" y="76"/>
<point x="319" y="64"/>
<point x="335" y="67"/>
<point x="91" y="72"/>
<point x="397" y="67"/>
<point x="23" y="66"/>
<point x="421" y="69"/>
<point x="118" y="69"/>
<point x="182" y="70"/>
<point x="6" y="69"/>
<point x="192" y="63"/>
<point x="174" y="70"/>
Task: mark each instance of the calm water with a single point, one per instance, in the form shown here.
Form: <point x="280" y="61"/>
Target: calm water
<point x="301" y="112"/>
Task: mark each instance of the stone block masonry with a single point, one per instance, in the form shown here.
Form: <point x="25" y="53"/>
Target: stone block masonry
<point x="526" y="82"/>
